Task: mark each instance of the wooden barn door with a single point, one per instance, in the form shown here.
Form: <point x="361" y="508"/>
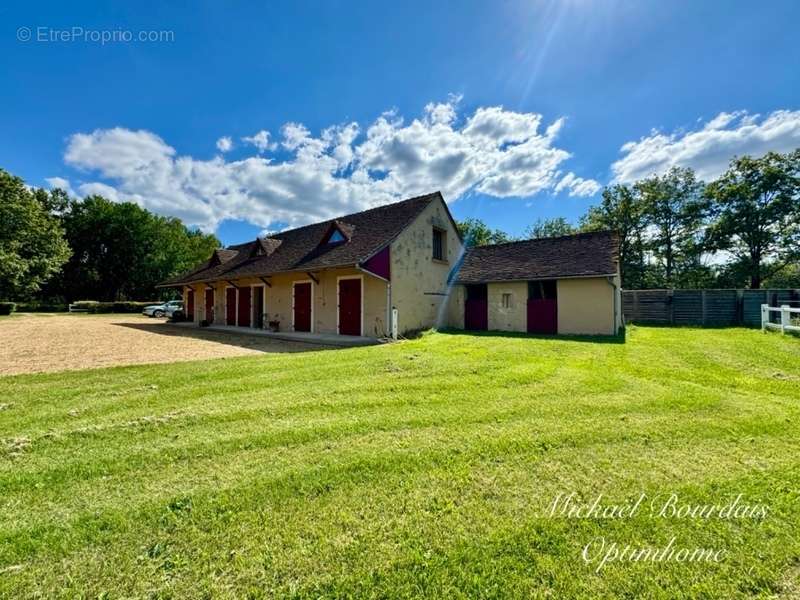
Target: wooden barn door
<point x="302" y="306"/>
<point x="244" y="307"/>
<point x="476" y="308"/>
<point x="209" y="305"/>
<point x="230" y="306"/>
<point x="542" y="307"/>
<point x="350" y="306"/>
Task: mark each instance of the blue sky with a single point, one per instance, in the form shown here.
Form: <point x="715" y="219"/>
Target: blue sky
<point x="515" y="110"/>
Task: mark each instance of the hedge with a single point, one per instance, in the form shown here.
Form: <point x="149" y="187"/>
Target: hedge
<point x="90" y="306"/>
<point x="37" y="307"/>
<point x="111" y="307"/>
<point x="6" y="308"/>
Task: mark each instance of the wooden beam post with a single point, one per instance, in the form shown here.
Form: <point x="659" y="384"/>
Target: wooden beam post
<point x="311" y="275"/>
<point x="267" y="283"/>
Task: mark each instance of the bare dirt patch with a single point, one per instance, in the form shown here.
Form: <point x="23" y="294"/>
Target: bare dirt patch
<point x="43" y="343"/>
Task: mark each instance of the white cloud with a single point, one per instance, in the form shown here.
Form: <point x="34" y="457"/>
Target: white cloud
<point x="261" y="141"/>
<point x="101" y="189"/>
<point x="578" y="186"/>
<point x="709" y="149"/>
<point x="225" y="144"/>
<point x="345" y="169"/>
<point x="61" y="183"/>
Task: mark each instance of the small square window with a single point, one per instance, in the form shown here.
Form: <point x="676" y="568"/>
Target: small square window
<point x="506" y="300"/>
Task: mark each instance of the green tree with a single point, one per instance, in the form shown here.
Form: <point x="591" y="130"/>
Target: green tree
<point x="621" y="210"/>
<point x="546" y="228"/>
<point x="120" y="250"/>
<point x="756" y="210"/>
<point x="786" y="278"/>
<point x="475" y="232"/>
<point x="674" y="208"/>
<point x="32" y="245"/>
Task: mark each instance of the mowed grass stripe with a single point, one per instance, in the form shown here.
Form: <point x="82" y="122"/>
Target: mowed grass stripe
<point x="338" y="473"/>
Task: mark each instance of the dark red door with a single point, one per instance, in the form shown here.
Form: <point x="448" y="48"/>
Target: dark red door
<point x="476" y="308"/>
<point x="230" y="306"/>
<point x="543" y="316"/>
<point x="244" y="307"/>
<point x="190" y="304"/>
<point x="543" y="307"/>
<point x="350" y="306"/>
<point x="302" y="306"/>
<point x="210" y="305"/>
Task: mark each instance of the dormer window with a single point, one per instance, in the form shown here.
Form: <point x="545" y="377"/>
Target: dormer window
<point x="336" y="237"/>
<point x="336" y="234"/>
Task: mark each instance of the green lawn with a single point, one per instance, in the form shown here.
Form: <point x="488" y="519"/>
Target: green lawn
<point x="423" y="468"/>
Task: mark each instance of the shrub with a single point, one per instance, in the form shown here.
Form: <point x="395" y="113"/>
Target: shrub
<point x="6" y="308"/>
<point x="41" y="307"/>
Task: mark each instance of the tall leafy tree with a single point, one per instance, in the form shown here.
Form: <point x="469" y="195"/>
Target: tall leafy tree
<point x="32" y="245"/>
<point x="674" y="208"/>
<point x="120" y="250"/>
<point x="621" y="210"/>
<point x="756" y="208"/>
<point x="546" y="228"/>
<point x="475" y="232"/>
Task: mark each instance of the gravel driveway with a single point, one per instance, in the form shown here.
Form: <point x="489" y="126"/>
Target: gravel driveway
<point x="31" y="343"/>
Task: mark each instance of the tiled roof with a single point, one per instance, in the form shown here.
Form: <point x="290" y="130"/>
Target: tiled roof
<point x="581" y="255"/>
<point x="301" y="250"/>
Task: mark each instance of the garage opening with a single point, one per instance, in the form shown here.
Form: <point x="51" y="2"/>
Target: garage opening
<point x="190" y="303"/>
<point x="209" y="305"/>
<point x="258" y="307"/>
<point x="542" y="307"/>
<point x="476" y="308"/>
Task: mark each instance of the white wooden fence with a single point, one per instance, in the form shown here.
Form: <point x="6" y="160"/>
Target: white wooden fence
<point x="786" y="313"/>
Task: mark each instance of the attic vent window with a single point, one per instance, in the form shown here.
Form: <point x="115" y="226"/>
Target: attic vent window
<point x="336" y="237"/>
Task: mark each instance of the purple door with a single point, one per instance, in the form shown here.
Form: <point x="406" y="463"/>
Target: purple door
<point x="350" y="306"/>
<point x="244" y="307"/>
<point x="543" y="307"/>
<point x="543" y="316"/>
<point x="302" y="307"/>
<point x="476" y="308"/>
<point x="230" y="306"/>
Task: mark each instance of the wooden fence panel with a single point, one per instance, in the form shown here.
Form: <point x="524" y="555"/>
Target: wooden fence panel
<point x="687" y="307"/>
<point x="702" y="307"/>
<point x="722" y="307"/>
<point x="652" y="306"/>
<point x="751" y="306"/>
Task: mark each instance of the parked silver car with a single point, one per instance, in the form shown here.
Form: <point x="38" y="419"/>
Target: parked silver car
<point x="163" y="310"/>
